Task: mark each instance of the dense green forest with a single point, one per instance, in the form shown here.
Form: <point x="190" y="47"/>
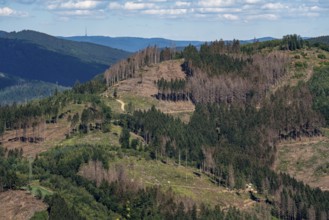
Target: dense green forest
<point x="44" y="65"/>
<point x="319" y="42"/>
<point x="231" y="136"/>
<point x="321" y="39"/>
<point x="86" y="52"/>
<point x="28" y="90"/>
<point x="46" y="58"/>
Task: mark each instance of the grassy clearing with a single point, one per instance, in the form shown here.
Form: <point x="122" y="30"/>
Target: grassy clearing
<point x="139" y="102"/>
<point x="306" y="160"/>
<point x="95" y="138"/>
<point x="301" y="67"/>
<point x="182" y="181"/>
<point x="36" y="189"/>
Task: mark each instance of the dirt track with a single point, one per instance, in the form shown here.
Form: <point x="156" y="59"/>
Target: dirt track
<point x="122" y="104"/>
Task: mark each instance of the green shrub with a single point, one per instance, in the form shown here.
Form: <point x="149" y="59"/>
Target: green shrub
<point x="42" y="215"/>
<point x="321" y="56"/>
<point x="300" y="65"/>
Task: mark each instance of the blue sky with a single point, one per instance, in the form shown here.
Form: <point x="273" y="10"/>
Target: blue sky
<point x="180" y="20"/>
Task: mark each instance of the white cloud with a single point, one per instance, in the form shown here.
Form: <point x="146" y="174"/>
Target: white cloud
<point x="182" y="4"/>
<point x="274" y="6"/>
<point x="166" y="11"/>
<point x="216" y="3"/>
<point x="137" y="6"/>
<point x="231" y="17"/>
<point x="74" y="5"/>
<point x="76" y="12"/>
<point x="317" y="8"/>
<point x="263" y="17"/>
<point x="8" y="12"/>
<point x="252" y="1"/>
<point x="230" y="10"/>
<point x="218" y="10"/>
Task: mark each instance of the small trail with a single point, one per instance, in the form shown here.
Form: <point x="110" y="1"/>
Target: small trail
<point x="122" y="104"/>
<point x="313" y="140"/>
<point x="179" y="111"/>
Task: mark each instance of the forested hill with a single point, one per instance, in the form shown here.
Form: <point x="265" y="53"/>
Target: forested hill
<point x="87" y="52"/>
<point x="17" y="90"/>
<point x="35" y="56"/>
<point x="322" y="39"/>
<point x="30" y="61"/>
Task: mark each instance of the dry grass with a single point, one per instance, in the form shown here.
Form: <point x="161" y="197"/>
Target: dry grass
<point x="303" y="159"/>
<point x="52" y="134"/>
<point x="187" y="186"/>
<point x="140" y="91"/>
<point x="19" y="205"/>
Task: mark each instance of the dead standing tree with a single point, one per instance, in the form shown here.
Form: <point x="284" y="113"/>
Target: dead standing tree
<point x="130" y="67"/>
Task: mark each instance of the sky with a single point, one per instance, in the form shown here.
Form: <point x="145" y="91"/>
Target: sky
<point x="204" y="20"/>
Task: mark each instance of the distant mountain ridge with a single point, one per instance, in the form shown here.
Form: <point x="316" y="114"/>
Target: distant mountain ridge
<point x="131" y="44"/>
<point x="134" y="44"/>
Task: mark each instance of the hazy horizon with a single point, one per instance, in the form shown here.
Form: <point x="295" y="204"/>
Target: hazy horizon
<point x="200" y="20"/>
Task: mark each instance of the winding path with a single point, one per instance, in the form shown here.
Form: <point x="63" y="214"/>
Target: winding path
<point x="122" y="104"/>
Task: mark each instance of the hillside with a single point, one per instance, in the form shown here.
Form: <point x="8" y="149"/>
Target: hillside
<point x="192" y="134"/>
<point x="46" y="58"/>
<point x="321" y="39"/>
<point x="306" y="160"/>
<point x="17" y="90"/>
<point x="86" y="52"/>
<point x="28" y="90"/>
<point x="140" y="95"/>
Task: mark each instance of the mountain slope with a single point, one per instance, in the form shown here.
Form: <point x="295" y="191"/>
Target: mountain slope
<point x="28" y="90"/>
<point x="84" y="51"/>
<point x="321" y="39"/>
<point x="14" y="89"/>
<point x="30" y="61"/>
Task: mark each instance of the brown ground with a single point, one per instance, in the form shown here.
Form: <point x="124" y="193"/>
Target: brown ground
<point x="301" y="159"/>
<point x="141" y="91"/>
<point x="167" y="70"/>
<point x="19" y="205"/>
<point x="52" y="134"/>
